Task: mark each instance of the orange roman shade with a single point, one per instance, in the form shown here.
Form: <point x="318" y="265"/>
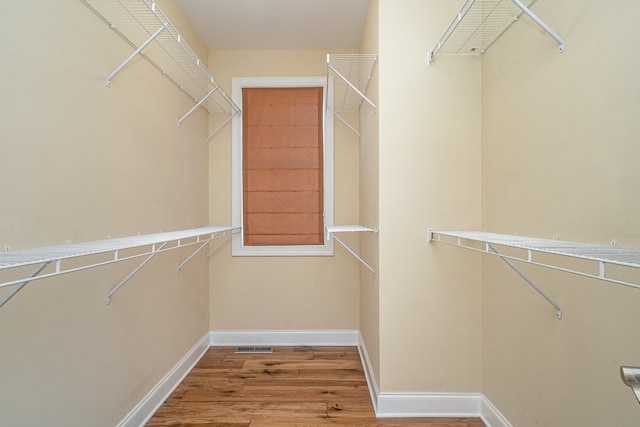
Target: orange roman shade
<point x="282" y="166"/>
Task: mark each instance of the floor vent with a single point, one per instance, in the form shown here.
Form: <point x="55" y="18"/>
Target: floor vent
<point x="254" y="350"/>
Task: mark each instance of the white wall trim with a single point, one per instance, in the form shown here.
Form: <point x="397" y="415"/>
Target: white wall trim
<point x="158" y="394"/>
<point x="491" y="416"/>
<point x="285" y="337"/>
<point x="369" y="373"/>
<point x="428" y="405"/>
<point x="404" y="405"/>
<point x="237" y="243"/>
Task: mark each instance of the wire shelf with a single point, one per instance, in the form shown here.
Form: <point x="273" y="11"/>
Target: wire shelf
<point x="143" y="25"/>
<point x="23" y="257"/>
<point x="354" y="72"/>
<point x="602" y="254"/>
<point x="480" y="22"/>
<point x="48" y="260"/>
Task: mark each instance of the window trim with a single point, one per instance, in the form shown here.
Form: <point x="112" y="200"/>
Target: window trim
<point x="237" y="245"/>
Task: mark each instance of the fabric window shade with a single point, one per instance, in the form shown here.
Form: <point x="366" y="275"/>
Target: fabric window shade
<point x="282" y="156"/>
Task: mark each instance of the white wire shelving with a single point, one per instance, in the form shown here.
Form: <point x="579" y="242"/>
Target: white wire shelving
<point x="352" y="74"/>
<point x="480" y="22"/>
<point x="536" y="251"/>
<point x="332" y="230"/>
<point x="143" y="25"/>
<point x="52" y="260"/>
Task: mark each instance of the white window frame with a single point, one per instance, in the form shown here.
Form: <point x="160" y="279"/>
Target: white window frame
<point x="238" y="247"/>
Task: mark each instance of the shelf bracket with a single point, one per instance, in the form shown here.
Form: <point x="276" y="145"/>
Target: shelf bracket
<point x="219" y="245"/>
<point x="529" y="281"/>
<point x="135" y="53"/>
<point x="355" y="254"/>
<point x="126" y="279"/>
<point x="206" y="242"/>
<point x="234" y="111"/>
<point x="540" y="23"/>
<point x="199" y="103"/>
<point x="347" y="124"/>
<point x="362" y="95"/>
<point x="19" y="286"/>
<point x="212" y="134"/>
<point x="224" y="236"/>
<point x="335" y="229"/>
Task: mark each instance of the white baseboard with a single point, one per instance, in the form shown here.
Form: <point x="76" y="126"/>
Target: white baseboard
<point x="406" y="405"/>
<point x="491" y="416"/>
<point x="369" y="373"/>
<point x="154" y="399"/>
<point x="428" y="405"/>
<point x="293" y="337"/>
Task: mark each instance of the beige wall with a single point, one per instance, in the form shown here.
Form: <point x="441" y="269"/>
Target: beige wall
<point x="274" y="293"/>
<point x="80" y="161"/>
<point x="560" y="157"/>
<point x="369" y="176"/>
<point x="429" y="176"/>
<point x="523" y="140"/>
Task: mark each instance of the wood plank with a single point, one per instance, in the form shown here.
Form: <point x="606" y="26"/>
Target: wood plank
<point x="312" y="364"/>
<point x="334" y="374"/>
<point x="287" y="355"/>
<point x="290" y="393"/>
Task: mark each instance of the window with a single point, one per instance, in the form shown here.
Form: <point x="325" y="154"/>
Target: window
<point x="282" y="166"/>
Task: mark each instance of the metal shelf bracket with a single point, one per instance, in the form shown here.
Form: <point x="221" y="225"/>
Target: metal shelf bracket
<point x="154" y="252"/>
<point x="529" y="281"/>
<point x="332" y="230"/>
<point x="199" y="103"/>
<point x="19" y="286"/>
<point x="134" y="54"/>
<point x="224" y="235"/>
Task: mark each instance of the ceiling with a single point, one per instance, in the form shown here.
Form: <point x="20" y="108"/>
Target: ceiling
<point x="277" y="24"/>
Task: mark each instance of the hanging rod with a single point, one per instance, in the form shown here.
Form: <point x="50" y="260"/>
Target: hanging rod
<point x="332" y="230"/>
<point x="353" y="73"/>
<point x="479" y="23"/>
<point x="143" y="25"/>
<point x="56" y="255"/>
<point x="601" y="255"/>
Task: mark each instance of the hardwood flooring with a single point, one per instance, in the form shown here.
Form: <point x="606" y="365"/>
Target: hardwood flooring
<point x="293" y="387"/>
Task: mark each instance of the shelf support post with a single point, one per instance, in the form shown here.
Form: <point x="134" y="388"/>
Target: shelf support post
<point x="529" y="281"/>
<point x="135" y="53"/>
<point x="126" y="279"/>
<point x="540" y="22"/>
<point x="19" y="287"/>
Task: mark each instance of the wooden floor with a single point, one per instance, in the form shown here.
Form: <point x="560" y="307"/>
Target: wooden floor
<point x="293" y="387"/>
